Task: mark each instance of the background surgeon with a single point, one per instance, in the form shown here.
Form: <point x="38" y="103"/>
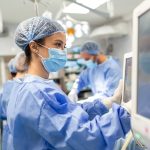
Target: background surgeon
<point x="102" y="74"/>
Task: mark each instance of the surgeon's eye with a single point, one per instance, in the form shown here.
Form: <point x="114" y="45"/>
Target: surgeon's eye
<point x="59" y="45"/>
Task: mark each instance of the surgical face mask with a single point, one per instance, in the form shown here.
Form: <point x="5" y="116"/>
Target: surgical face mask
<point x="55" y="61"/>
<point x="90" y="63"/>
<point x="87" y="63"/>
<point x="145" y="62"/>
<point x="81" y="61"/>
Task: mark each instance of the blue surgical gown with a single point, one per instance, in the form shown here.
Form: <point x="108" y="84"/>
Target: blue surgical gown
<point x="3" y="110"/>
<point x="40" y="116"/>
<point x="93" y="108"/>
<point x="103" y="79"/>
<point x="4" y="98"/>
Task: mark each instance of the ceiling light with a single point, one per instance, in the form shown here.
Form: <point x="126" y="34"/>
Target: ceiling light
<point x="78" y="27"/>
<point x="70" y="38"/>
<point x="78" y="34"/>
<point x="92" y="3"/>
<point x="69" y="24"/>
<point x="76" y="9"/>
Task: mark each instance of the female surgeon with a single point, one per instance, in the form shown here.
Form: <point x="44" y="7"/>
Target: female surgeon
<point x="39" y="115"/>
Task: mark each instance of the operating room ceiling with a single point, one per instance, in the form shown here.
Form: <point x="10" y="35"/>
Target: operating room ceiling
<point x="14" y="11"/>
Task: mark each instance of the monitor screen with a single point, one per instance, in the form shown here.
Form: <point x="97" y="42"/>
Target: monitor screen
<point x="127" y="80"/>
<point x="143" y="78"/>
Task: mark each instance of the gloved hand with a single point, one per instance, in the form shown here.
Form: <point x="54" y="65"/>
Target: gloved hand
<point x="118" y="93"/>
<point x="116" y="98"/>
<point x="89" y="99"/>
<point x="73" y="95"/>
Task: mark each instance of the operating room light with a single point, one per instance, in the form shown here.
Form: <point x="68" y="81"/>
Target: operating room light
<point x="78" y="27"/>
<point x="78" y="34"/>
<point x="74" y="29"/>
<point x="76" y="9"/>
<point x="69" y="24"/>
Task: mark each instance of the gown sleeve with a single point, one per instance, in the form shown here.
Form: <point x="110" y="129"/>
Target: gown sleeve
<point x="67" y="126"/>
<point x="83" y="80"/>
<point x="94" y="108"/>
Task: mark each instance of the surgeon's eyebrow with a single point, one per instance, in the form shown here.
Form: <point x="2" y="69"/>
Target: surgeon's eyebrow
<point x="59" y="41"/>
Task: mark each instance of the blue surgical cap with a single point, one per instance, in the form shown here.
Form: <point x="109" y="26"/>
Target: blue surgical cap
<point x="34" y="29"/>
<point x="11" y="66"/>
<point x="90" y="47"/>
<point x="18" y="63"/>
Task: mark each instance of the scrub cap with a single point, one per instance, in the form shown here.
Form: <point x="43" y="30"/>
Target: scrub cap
<point x="18" y="63"/>
<point x="90" y="47"/>
<point x="34" y="29"/>
<point x="11" y="66"/>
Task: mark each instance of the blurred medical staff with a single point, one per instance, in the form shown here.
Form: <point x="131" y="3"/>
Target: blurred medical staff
<point x="102" y="75"/>
<point x="17" y="68"/>
<point x="39" y="113"/>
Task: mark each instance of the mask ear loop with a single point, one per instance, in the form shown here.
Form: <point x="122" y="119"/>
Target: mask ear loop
<point x="41" y="56"/>
<point x="36" y="52"/>
<point x="44" y="47"/>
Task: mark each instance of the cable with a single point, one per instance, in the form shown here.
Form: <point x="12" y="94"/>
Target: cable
<point x="36" y="7"/>
<point x="127" y="141"/>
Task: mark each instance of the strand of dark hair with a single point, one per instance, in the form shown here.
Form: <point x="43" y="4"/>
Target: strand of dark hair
<point x="28" y="51"/>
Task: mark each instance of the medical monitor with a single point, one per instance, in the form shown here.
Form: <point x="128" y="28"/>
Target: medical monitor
<point x="127" y="72"/>
<point x="141" y="73"/>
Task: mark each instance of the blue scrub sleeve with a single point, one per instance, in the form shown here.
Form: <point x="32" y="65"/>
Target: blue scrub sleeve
<point x="5" y="136"/>
<point x="67" y="127"/>
<point x="0" y="105"/>
<point x="94" y="108"/>
<point x="2" y="116"/>
<point x="83" y="80"/>
<point x="111" y="83"/>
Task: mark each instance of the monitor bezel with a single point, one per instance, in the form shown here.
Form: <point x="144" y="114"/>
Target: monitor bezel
<point x="139" y="123"/>
<point x="126" y="56"/>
